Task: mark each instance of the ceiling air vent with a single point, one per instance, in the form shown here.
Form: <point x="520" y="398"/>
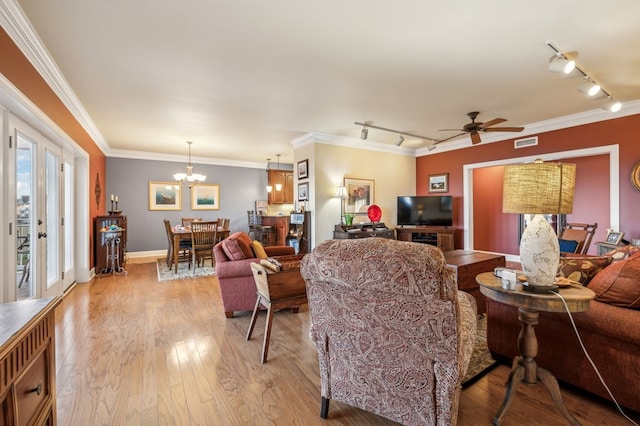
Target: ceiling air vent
<point x="523" y="143"/>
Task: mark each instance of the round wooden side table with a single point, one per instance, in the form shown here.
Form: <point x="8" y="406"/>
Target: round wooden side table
<point x="529" y="305"/>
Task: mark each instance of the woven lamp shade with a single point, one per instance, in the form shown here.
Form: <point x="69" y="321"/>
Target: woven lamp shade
<point x="539" y="188"/>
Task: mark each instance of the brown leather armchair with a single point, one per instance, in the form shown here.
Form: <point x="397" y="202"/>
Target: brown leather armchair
<point x="233" y="270"/>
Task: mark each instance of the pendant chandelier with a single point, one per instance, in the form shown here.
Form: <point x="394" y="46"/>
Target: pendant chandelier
<point x="190" y="178"/>
<point x="278" y="186"/>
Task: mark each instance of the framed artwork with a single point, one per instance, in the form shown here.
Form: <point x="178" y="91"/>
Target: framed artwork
<point x="614" y="237"/>
<point x="165" y="196"/>
<point x="303" y="191"/>
<point x="360" y="195"/>
<point x="439" y="182"/>
<point x="205" y="197"/>
<point x="303" y="169"/>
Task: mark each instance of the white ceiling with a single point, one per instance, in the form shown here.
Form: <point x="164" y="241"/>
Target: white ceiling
<point x="243" y="79"/>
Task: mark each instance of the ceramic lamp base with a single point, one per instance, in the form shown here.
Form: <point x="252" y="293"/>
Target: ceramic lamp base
<point x="539" y="253"/>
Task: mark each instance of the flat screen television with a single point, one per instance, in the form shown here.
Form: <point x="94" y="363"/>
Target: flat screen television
<point x="434" y="210"/>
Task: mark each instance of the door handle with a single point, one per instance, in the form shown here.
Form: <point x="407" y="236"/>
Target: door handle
<point x="42" y="235"/>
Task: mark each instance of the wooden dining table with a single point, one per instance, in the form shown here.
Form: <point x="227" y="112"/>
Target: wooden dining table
<point x="180" y="234"/>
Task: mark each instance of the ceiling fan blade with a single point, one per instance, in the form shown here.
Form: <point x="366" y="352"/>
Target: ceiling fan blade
<point x="449" y="130"/>
<point x="504" y="129"/>
<point x="492" y="122"/>
<point x="452" y="137"/>
<point x="475" y="138"/>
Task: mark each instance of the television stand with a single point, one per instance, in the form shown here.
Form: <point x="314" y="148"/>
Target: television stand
<point x="439" y="236"/>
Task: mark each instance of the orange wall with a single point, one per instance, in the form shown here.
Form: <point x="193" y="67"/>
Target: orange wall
<point x="498" y="231"/>
<point x="17" y="69"/>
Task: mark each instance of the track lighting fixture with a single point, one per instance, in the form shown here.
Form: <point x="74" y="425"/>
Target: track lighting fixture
<point x="589" y="87"/>
<point x="364" y="132"/>
<point x="561" y="64"/>
<point x="612" y="106"/>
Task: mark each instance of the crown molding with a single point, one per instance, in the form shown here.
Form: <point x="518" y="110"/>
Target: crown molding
<point x="19" y="28"/>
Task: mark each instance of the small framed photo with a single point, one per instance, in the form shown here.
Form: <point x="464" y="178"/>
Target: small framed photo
<point x="165" y="196"/>
<point x="439" y="182"/>
<point x="205" y="197"/>
<point x="614" y="237"/>
<point x="303" y="169"/>
<point x="303" y="191"/>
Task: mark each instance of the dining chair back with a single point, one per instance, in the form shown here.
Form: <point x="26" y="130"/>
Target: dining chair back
<point x="186" y="221"/>
<point x="203" y="238"/>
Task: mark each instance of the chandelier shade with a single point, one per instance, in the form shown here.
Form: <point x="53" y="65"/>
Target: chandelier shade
<point x="189" y="177"/>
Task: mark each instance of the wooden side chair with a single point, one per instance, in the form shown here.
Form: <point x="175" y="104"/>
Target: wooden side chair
<point x="582" y="233"/>
<point x="203" y="238"/>
<point x="258" y="231"/>
<point x="183" y="254"/>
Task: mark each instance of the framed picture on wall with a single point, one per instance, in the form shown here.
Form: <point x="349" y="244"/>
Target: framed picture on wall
<point x="165" y="196"/>
<point x="303" y="191"/>
<point x="360" y="195"/>
<point x="439" y="182"/>
<point x="303" y="169"/>
<point x="205" y="197"/>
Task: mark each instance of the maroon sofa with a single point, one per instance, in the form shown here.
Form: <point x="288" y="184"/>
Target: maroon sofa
<point x="610" y="330"/>
<point x="233" y="258"/>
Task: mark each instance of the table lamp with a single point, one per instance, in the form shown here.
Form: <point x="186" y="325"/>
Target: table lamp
<point x="341" y="193"/>
<point x="539" y="188"/>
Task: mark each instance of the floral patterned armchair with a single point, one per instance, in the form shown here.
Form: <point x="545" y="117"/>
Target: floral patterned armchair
<point x="394" y="335"/>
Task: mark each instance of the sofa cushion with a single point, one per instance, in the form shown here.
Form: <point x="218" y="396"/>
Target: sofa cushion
<point x="582" y="269"/>
<point x="258" y="250"/>
<point x="618" y="283"/>
<point x="623" y="252"/>
<point x="238" y="246"/>
<point x="567" y="246"/>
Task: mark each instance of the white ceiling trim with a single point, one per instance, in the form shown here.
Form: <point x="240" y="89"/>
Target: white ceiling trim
<point x="23" y="35"/>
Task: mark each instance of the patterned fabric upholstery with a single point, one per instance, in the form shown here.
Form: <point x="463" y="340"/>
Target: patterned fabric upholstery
<point x="394" y="336"/>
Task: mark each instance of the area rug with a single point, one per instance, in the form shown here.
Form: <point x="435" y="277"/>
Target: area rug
<point x="166" y="274"/>
<point x="481" y="361"/>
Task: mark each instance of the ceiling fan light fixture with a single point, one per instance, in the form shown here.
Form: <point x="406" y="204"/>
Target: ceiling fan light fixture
<point x="561" y="64"/>
<point x="612" y="106"/>
<point x="589" y="88"/>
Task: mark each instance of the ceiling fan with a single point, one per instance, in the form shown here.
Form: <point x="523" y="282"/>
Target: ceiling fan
<point x="474" y="128"/>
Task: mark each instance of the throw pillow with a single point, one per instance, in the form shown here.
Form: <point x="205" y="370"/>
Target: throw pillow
<point x="582" y="269"/>
<point x="237" y="246"/>
<point x="567" y="246"/>
<point x="258" y="250"/>
<point x="623" y="252"/>
<point x="618" y="283"/>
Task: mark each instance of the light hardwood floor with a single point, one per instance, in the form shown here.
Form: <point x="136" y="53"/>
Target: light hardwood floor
<point x="135" y="351"/>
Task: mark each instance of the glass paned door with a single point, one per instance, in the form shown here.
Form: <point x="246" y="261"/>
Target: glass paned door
<point x="25" y="166"/>
<point x="49" y="223"/>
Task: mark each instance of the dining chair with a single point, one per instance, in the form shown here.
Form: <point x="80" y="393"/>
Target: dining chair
<point x="183" y="253"/>
<point x="203" y="238"/>
<point x="186" y="221"/>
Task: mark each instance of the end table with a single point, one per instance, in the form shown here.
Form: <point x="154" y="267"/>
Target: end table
<point x="529" y="305"/>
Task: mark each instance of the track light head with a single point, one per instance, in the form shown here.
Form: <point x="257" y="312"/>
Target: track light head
<point x="400" y="141"/>
<point x="612" y="106"/>
<point x="589" y="88"/>
<point x="561" y="64"/>
<point x="364" y="133"/>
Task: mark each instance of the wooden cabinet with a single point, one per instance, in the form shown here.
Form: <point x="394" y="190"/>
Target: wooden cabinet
<point x="284" y="178"/>
<point x="101" y="241"/>
<point x="367" y="230"/>
<point x="27" y="360"/>
<point x="280" y="225"/>
<point x="440" y="236"/>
